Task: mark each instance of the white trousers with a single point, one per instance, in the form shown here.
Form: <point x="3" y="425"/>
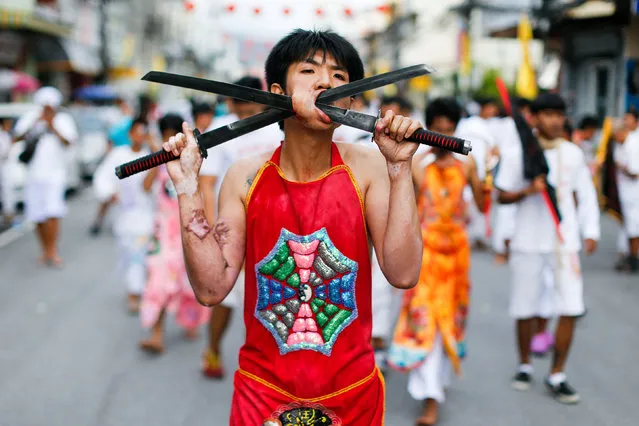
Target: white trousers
<point x="382" y="298"/>
<point x="630" y="212"/>
<point x="548" y="299"/>
<point x="622" y="242"/>
<point x="132" y="261"/>
<point x="44" y="200"/>
<point x="528" y="276"/>
<point x="430" y="380"/>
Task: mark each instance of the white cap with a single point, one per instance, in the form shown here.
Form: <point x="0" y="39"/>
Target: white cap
<point x="48" y="96"/>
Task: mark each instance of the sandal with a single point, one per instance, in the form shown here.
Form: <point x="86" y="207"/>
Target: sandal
<point x="152" y="347"/>
<point x="424" y="421"/>
<point x="212" y="366"/>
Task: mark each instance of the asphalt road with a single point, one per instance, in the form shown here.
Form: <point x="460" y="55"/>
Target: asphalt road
<point x="69" y="356"/>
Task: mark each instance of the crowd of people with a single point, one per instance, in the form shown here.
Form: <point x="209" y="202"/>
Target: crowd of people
<point x="297" y="202"/>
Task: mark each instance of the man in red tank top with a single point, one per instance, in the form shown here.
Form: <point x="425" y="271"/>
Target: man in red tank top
<point x="303" y="220"/>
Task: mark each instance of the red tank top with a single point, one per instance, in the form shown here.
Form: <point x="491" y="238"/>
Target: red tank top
<point x="307" y="304"/>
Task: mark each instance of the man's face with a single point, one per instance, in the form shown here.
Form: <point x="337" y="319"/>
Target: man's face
<point x="620" y="135"/>
<point x="246" y="109"/>
<point x="203" y="121"/>
<point x="443" y="125"/>
<point x="138" y="134"/>
<point x="48" y="112"/>
<point x="394" y="106"/>
<point x="630" y="122"/>
<point x="550" y="123"/>
<point x="589" y="133"/>
<point x="313" y="76"/>
<point x="490" y="111"/>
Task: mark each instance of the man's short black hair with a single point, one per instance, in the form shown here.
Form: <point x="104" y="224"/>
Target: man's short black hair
<point x="302" y="44"/>
<point x="548" y="102"/>
<point x="170" y="121"/>
<point x="485" y="100"/>
<point x="248" y="81"/>
<point x="201" y="108"/>
<point x="443" y="107"/>
<point x="589" y="122"/>
<point x="634" y="112"/>
<point x="399" y="100"/>
<point x="568" y="128"/>
<point x="522" y="103"/>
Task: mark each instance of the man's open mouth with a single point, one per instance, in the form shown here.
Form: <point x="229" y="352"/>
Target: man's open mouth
<point x="325" y="118"/>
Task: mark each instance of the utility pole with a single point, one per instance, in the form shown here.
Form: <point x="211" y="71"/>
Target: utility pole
<point x="104" y="44"/>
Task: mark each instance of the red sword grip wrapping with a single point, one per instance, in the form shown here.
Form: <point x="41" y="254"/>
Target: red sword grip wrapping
<point x="437" y="140"/>
<point x="152" y="160"/>
<point x="144" y="163"/>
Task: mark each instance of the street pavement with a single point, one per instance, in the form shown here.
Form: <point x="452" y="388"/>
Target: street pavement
<point x="69" y="355"/>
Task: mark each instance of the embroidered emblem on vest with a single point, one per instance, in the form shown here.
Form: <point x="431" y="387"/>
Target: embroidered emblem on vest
<point x="302" y="414"/>
<point x="306" y="292"/>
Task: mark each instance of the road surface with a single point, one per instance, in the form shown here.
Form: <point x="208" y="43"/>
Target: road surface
<point x="69" y="356"/>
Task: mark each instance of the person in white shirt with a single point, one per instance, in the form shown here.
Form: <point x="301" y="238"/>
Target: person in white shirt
<point x="626" y="157"/>
<point x="630" y="126"/>
<point x="631" y="120"/>
<point x="212" y="172"/>
<point x="133" y="206"/>
<point x="535" y="244"/>
<point x="506" y="138"/>
<point x="8" y="205"/>
<point x="54" y="130"/>
<point x="477" y="130"/>
<point x="382" y="296"/>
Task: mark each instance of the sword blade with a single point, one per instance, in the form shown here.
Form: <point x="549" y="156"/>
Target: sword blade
<point x="374" y="82"/>
<point x="281" y="101"/>
<point x="350" y="118"/>
<point x="223" y="134"/>
<point x="244" y="93"/>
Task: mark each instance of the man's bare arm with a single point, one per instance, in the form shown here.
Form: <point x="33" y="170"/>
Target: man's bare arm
<point x="475" y="184"/>
<point x="213" y="254"/>
<point x="507" y="197"/>
<point x="391" y="214"/>
<point x="207" y="188"/>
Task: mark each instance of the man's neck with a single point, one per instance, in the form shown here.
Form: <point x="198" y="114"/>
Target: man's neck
<point x="547" y="142"/>
<point x="306" y="153"/>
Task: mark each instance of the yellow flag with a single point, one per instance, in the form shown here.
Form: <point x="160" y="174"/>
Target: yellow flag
<point x="606" y="133"/>
<point x="464" y="53"/>
<point x="526" y="84"/>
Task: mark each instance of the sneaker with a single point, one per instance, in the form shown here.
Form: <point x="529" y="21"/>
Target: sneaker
<point x="563" y="392"/>
<point x="521" y="381"/>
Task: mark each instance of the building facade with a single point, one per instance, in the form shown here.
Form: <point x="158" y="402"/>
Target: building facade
<point x="56" y="41"/>
<point x="600" y="46"/>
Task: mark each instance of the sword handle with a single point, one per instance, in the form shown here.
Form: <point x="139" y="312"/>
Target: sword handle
<point x="437" y="140"/>
<point x="152" y="160"/>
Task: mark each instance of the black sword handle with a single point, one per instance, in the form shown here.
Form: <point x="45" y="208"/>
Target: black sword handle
<point x="152" y="160"/>
<point x="437" y="140"/>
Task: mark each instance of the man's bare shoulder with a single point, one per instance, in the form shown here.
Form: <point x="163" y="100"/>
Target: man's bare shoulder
<point x="360" y="156"/>
<point x="242" y="172"/>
